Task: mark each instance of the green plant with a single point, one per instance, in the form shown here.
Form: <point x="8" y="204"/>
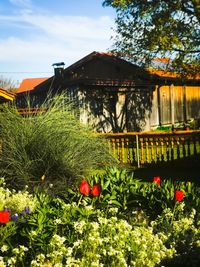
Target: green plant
<point x="50" y="147"/>
<point x="82" y="236"/>
<point x="114" y="188"/>
<point x="182" y="232"/>
<point x="120" y="189"/>
<point x="85" y="232"/>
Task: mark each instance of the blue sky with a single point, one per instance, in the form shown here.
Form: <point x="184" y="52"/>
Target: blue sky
<point x="34" y="34"/>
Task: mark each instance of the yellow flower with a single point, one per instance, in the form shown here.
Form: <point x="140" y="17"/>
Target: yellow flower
<point x="43" y="177"/>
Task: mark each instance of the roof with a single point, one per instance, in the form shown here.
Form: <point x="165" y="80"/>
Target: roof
<point x="5" y="95"/>
<point x="113" y="72"/>
<point x="168" y="74"/>
<point x="94" y="77"/>
<point x="29" y="84"/>
<point x="103" y="55"/>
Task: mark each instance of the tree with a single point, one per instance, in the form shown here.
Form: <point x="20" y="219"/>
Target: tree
<point x="7" y="84"/>
<point x="149" y="29"/>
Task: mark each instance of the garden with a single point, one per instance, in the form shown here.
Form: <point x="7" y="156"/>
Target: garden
<point x="65" y="200"/>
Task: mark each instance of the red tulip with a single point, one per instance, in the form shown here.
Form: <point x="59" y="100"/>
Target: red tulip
<point x="84" y="188"/>
<point x="156" y="180"/>
<point x="179" y="195"/>
<point x="96" y="190"/>
<point x="4" y="216"/>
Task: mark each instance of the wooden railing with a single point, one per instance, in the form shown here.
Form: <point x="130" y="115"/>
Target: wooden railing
<point x="141" y="149"/>
<point x="30" y="111"/>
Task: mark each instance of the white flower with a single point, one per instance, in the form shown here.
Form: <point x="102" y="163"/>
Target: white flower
<point x="16" y="250"/>
<point x="33" y="234"/>
<point x="58" y="240"/>
<point x="78" y="243"/>
<point x="69" y="251"/>
<point x="95" y="226"/>
<point x="34" y="263"/>
<point x="89" y="207"/>
<point x="12" y="261"/>
<point x="80" y="226"/>
<point x="23" y="248"/>
<point x="58" y="221"/>
<point x="4" y="248"/>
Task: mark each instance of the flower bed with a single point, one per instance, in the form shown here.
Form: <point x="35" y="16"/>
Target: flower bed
<point x="108" y="220"/>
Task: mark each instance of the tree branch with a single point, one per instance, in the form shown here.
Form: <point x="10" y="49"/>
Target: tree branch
<point x="187" y="51"/>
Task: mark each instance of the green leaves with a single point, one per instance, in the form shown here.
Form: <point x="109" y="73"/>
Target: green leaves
<point x="120" y="189"/>
<point x="150" y="29"/>
<point x="6" y="232"/>
<point x="112" y="230"/>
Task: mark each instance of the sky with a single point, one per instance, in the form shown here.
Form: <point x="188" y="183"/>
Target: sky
<point x="34" y="34"/>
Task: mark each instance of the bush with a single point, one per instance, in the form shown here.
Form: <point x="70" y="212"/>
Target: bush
<point x="52" y="146"/>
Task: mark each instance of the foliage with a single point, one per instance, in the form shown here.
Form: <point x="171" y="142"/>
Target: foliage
<point x="182" y="230"/>
<point x="57" y="233"/>
<point x="7" y="84"/>
<point x="115" y="188"/>
<point x="153" y="199"/>
<point x="151" y="29"/>
<point x="69" y="235"/>
<point x="120" y="189"/>
<point x="50" y="147"/>
<point x="16" y="201"/>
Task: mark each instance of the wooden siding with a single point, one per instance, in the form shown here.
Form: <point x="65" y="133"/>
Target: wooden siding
<point x="193" y="102"/>
<point x="175" y="104"/>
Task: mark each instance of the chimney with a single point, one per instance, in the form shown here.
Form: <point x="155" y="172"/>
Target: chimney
<point x="59" y="69"/>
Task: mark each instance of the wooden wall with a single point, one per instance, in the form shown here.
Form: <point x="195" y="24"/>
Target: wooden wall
<point x="139" y="110"/>
<point x="175" y="104"/>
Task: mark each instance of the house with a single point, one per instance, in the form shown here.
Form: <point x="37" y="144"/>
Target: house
<point x="6" y="96"/>
<point x="114" y="95"/>
<point x="29" y="84"/>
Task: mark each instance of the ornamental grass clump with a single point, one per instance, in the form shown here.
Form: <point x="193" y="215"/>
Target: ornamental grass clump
<point x="50" y="147"/>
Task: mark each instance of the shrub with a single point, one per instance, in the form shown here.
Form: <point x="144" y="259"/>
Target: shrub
<point x="52" y="146"/>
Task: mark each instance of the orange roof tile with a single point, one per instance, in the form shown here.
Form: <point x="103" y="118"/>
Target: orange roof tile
<point x="29" y="84"/>
<point x="163" y="73"/>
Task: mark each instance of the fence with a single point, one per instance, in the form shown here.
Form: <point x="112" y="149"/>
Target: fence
<point x="141" y="149"/>
<point x="30" y="111"/>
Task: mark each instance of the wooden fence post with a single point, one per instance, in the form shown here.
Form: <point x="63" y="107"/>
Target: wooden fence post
<point x="172" y="103"/>
<point x="184" y="104"/>
<point x="137" y="150"/>
<point x="158" y="104"/>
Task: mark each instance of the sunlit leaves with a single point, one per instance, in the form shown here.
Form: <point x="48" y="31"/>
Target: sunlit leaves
<point x="157" y="28"/>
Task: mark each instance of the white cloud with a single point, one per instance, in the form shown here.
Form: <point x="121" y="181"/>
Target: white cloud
<point x="64" y="26"/>
<point x="71" y="26"/>
<point x="50" y="38"/>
